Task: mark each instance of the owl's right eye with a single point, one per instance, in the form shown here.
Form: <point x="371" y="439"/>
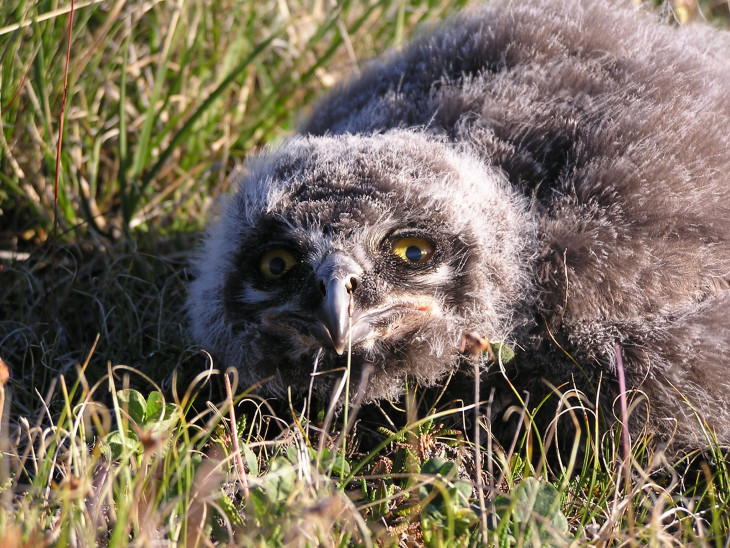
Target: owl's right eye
<point x="413" y="250"/>
<point x="275" y="263"/>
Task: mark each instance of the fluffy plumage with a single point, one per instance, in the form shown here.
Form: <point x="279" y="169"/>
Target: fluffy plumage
<point x="549" y="172"/>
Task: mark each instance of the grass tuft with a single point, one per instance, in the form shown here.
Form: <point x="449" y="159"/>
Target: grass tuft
<point x="163" y="99"/>
<point x="118" y="466"/>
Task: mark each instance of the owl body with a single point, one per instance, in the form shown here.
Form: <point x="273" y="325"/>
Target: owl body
<point x="551" y="174"/>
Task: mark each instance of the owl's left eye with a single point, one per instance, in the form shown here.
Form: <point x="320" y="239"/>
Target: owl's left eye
<point x="413" y="250"/>
<point x="275" y="263"/>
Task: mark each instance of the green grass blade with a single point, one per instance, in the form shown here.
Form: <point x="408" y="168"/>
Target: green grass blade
<point x="187" y="127"/>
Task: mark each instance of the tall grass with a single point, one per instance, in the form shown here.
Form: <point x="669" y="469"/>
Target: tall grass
<point x="116" y="432"/>
<point x="164" y="98"/>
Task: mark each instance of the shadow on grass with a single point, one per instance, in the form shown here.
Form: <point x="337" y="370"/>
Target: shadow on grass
<point x="96" y="339"/>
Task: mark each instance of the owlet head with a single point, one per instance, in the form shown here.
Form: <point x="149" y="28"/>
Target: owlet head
<point x="383" y="245"/>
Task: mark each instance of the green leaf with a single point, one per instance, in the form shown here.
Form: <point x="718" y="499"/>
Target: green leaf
<point x="438" y="467"/>
<point x="340" y="466"/>
<point x="133" y="403"/>
<point x="251" y="461"/>
<point x="457" y="491"/>
<point x="534" y="506"/>
<point x="292" y="454"/>
<point x="332" y="462"/>
<point x="117" y="446"/>
<point x="160" y="416"/>
<point x="503" y="353"/>
<point x="280" y="481"/>
<point x="155" y="407"/>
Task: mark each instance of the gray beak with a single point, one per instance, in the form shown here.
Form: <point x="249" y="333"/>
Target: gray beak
<point x="337" y="278"/>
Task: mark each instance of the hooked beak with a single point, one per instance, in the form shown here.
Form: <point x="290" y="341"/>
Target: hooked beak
<point x="335" y="313"/>
<point x="337" y="279"/>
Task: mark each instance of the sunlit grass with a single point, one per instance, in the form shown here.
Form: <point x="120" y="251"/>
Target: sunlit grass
<point x="119" y="466"/>
<point x="164" y="99"/>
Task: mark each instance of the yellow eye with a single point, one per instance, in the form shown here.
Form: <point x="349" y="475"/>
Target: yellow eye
<point x="413" y="250"/>
<point x="275" y="263"/>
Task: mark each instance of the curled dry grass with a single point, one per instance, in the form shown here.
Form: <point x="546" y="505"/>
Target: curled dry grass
<point x="176" y="480"/>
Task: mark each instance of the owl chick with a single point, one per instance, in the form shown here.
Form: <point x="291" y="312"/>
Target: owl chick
<point x="553" y="174"/>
